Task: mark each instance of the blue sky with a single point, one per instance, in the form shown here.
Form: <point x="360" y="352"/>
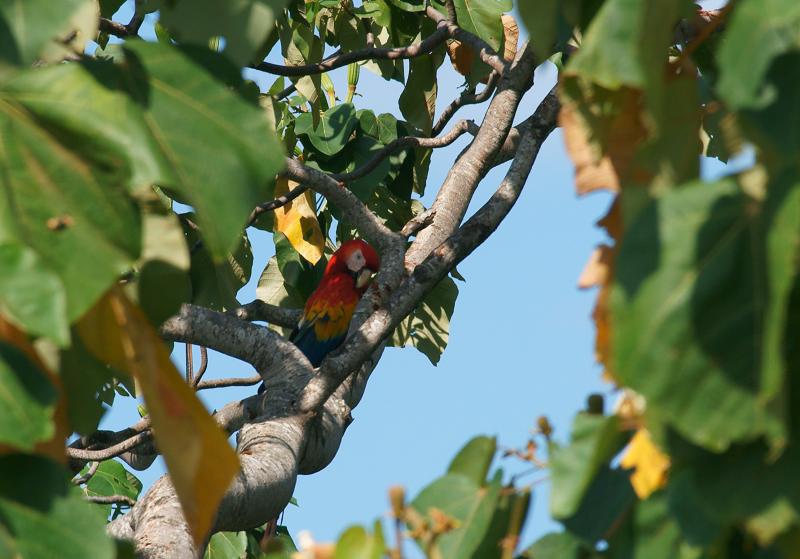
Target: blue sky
<point x="521" y="340"/>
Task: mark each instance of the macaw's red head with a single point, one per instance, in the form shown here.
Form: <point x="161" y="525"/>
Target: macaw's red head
<point x="355" y="257"/>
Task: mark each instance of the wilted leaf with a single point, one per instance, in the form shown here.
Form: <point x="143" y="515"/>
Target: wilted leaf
<point x="200" y="461"/>
<point x="297" y="220"/>
<point x="650" y="465"/>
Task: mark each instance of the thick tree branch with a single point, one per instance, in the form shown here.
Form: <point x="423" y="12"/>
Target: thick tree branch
<point x="229" y="335"/>
<point x="260" y="311"/>
<point x="335" y="369"/>
<point x="455" y="194"/>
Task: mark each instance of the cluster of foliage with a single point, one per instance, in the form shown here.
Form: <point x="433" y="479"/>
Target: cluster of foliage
<point x="699" y="291"/>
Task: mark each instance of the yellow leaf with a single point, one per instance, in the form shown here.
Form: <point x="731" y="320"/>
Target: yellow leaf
<point x="298" y="221"/>
<point x="649" y="463"/>
<point x="199" y="459"/>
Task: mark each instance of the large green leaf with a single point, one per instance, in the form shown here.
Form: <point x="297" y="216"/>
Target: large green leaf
<point x="428" y="327"/>
<point x="482" y="17"/>
<point x="245" y="24"/>
<point x="221" y="152"/>
<point x="44" y="516"/>
<point x="558" y="546"/>
<point x="112" y="478"/>
<point x="27" y="27"/>
<point x="474" y="459"/>
<point x="227" y="545"/>
<point x="698" y="309"/>
<point x="63" y="198"/>
<point x="27" y="399"/>
<point x="333" y="131"/>
<point x="418" y="100"/>
<point x="357" y="543"/>
<point x="472" y="505"/>
<point x="31" y="294"/>
<point x="772" y="25"/>
<point x="594" y="441"/>
<point x="273" y="289"/>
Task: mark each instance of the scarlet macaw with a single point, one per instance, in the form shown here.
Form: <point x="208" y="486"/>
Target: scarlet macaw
<point x="329" y="309"/>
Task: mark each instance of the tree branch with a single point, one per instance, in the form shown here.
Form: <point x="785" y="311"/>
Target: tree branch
<point x="458" y="188"/>
<point x="485" y="52"/>
<point x="111" y="500"/>
<point x="466" y="98"/>
<point x="402" y="143"/>
<point x="335" y="369"/>
<point x="370" y="53"/>
<point x="260" y="311"/>
<point x="227" y="382"/>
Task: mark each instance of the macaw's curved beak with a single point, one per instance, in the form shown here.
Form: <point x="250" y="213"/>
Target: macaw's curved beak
<point x="363" y="278"/>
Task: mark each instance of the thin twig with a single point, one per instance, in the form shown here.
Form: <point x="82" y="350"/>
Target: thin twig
<point x="111" y="451"/>
<point x="485" y="52"/>
<point x="227" y="382"/>
<point x="189" y="364"/>
<point x="111" y="500"/>
<point x="88" y="475"/>
<point x="338" y="60"/>
<point x="278" y="202"/>
<point x="203" y="366"/>
<point x="467" y="98"/>
<point x="403" y="143"/>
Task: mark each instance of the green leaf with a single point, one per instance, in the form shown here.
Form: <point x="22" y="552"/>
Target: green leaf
<point x="45" y="517"/>
<point x="333" y="131"/>
<point x="87" y="229"/>
<point x="418" y="100"/>
<point x="31" y="294"/>
<point x="383" y="127"/>
<point x="109" y="7"/>
<point x="227" y="545"/>
<point x="163" y="281"/>
<point x="27" y="27"/>
<point x="222" y="154"/>
<point x="595" y="439"/>
<point x="507" y="524"/>
<point x="474" y="459"/>
<point x="273" y="289"/>
<point x="428" y="327"/>
<point x="699" y="307"/>
<point x="470" y="504"/>
<point x="27" y="399"/>
<point x="774" y="128"/>
<point x="112" y="478"/>
<point x="546" y="24"/>
<point x="245" y="24"/>
<point x="606" y="502"/>
<point x="215" y="285"/>
<point x="773" y="25"/>
<point x="558" y="546"/>
<point x="650" y="533"/>
<point x="357" y="543"/>
<point x="482" y="18"/>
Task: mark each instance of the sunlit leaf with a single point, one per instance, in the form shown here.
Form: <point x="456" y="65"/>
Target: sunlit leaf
<point x="297" y="220"/>
<point x="199" y="459"/>
<point x="649" y="463"/>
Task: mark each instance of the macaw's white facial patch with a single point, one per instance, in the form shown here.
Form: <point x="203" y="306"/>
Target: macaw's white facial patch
<point x="356" y="261"/>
